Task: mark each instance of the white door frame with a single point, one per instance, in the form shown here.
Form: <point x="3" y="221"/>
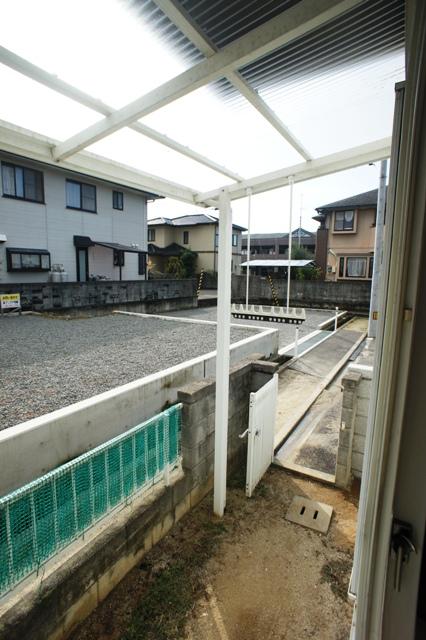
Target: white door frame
<point x="388" y="427"/>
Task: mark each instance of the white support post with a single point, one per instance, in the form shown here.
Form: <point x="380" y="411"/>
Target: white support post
<point x="296" y="343"/>
<point x="378" y="250"/>
<point x="222" y="352"/>
<point x="291" y="183"/>
<point x="335" y="318"/>
<point x="248" y="248"/>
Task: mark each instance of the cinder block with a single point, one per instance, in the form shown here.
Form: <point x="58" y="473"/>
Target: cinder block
<point x="200" y="491"/>
<point x="78" y="611"/>
<point x="360" y="425"/>
<point x="347" y="417"/>
<point x="342" y="477"/>
<point x="345" y="438"/>
<point x="183" y="507"/>
<point x="349" y="399"/>
<point x="358" y="445"/>
<point x="357" y="461"/>
<point x="362" y="407"/>
<point x="351" y="380"/>
<point x="364" y="388"/>
<point x="194" y="432"/>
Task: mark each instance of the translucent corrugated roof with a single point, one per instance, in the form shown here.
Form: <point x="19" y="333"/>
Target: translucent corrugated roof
<point x="331" y="87"/>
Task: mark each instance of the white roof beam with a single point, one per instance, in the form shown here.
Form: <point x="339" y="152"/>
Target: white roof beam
<point x="30" y="70"/>
<point x="183" y="22"/>
<point x="340" y="161"/>
<point x="303" y="17"/>
<point x="23" y="142"/>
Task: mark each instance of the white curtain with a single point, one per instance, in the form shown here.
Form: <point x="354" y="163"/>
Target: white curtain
<point x="355" y="267"/>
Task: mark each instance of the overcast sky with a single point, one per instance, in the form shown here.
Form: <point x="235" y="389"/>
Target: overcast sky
<point x="105" y="49"/>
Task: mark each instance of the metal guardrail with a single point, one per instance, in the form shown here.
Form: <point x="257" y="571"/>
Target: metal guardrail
<point x="44" y="516"/>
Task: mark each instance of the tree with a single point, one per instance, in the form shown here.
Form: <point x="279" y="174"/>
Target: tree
<point x="300" y="253"/>
<point x="189" y="259"/>
<point x="175" y="267"/>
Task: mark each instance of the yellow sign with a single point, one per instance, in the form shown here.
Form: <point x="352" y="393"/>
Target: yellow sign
<point x="10" y="300"/>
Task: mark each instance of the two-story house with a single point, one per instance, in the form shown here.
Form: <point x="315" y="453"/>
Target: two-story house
<point x="274" y="246"/>
<point x="55" y="221"/>
<point x="199" y="233"/>
<point x="345" y="238"/>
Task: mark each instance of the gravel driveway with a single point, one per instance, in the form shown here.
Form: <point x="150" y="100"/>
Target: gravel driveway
<point x="48" y="363"/>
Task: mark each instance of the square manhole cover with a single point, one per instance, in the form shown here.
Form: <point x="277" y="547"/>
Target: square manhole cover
<point x="311" y="514"/>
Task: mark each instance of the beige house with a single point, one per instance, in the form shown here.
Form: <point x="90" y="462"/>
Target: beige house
<point x="345" y="238"/>
<point x="199" y="233"/>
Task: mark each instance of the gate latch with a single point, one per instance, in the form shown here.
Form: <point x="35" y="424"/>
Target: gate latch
<point x="402" y="545"/>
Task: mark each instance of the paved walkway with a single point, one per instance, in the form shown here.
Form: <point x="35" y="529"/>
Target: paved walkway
<point x="308" y="413"/>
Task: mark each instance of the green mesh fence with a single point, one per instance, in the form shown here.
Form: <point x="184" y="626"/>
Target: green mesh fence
<point x="39" y="519"/>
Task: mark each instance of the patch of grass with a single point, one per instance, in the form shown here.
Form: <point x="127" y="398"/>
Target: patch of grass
<point x="163" y="610"/>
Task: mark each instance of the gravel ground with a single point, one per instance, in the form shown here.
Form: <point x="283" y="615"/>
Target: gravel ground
<point x="47" y="363"/>
<point x="313" y="319"/>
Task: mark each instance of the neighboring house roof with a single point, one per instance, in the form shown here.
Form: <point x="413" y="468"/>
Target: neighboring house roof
<point x="277" y="263"/>
<point x="361" y="200"/>
<point x="284" y="236"/>
<point x="173" y="249"/>
<point x="191" y="220"/>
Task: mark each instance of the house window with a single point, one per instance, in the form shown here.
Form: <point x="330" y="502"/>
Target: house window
<point x="356" y="267"/>
<point x="341" y="267"/>
<point x="186" y="237"/>
<point x="27" y="260"/>
<point x="22" y="183"/>
<point x="151" y="235"/>
<point x="81" y="196"/>
<point x="117" y="200"/>
<point x="234" y="240"/>
<point x="344" y="220"/>
<point x="370" y="267"/>
<point x="118" y="258"/>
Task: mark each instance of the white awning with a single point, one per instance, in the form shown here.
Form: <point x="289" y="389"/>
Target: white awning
<point x="277" y="263"/>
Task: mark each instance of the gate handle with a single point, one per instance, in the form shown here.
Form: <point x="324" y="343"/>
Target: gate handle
<point x="243" y="435"/>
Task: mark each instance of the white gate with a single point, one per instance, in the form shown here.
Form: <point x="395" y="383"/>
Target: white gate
<point x="263" y="404"/>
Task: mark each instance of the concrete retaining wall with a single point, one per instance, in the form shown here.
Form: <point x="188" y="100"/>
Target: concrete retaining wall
<point x="49" y="606"/>
<point x="356" y="397"/>
<point x="352" y="296"/>
<point x="151" y="295"/>
<point x="32" y="448"/>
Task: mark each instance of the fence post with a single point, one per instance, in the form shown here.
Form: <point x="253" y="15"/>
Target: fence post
<point x="335" y="318"/>
<point x="296" y="343"/>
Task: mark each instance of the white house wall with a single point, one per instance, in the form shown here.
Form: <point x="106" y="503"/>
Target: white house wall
<point x="52" y="226"/>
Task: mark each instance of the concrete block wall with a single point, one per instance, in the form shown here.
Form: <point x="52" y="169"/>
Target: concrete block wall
<point x="352" y="296"/>
<point x="49" y="606"/>
<point x="151" y="295"/>
<point x="356" y="397"/>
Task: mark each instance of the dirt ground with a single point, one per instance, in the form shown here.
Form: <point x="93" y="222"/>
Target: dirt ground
<point x="251" y="576"/>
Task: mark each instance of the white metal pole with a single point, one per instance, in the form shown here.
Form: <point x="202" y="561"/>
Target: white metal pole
<point x="296" y="343"/>
<point x="222" y="352"/>
<point x="248" y="247"/>
<point x="335" y="318"/>
<point x="291" y="183"/>
<point x="378" y="250"/>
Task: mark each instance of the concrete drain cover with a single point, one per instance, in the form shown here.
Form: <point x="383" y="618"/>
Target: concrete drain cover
<point x="311" y="514"/>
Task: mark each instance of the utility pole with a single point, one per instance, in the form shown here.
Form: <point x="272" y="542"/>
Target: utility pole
<point x="378" y="251"/>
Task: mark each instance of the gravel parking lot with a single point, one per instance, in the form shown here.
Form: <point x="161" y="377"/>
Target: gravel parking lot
<point x="47" y="363"/>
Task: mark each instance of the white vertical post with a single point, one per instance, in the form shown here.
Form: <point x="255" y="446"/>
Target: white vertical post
<point x="296" y="343"/>
<point x="378" y="251"/>
<point x="248" y="248"/>
<point x="291" y="183"/>
<point x="222" y="352"/>
<point x="335" y="318"/>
